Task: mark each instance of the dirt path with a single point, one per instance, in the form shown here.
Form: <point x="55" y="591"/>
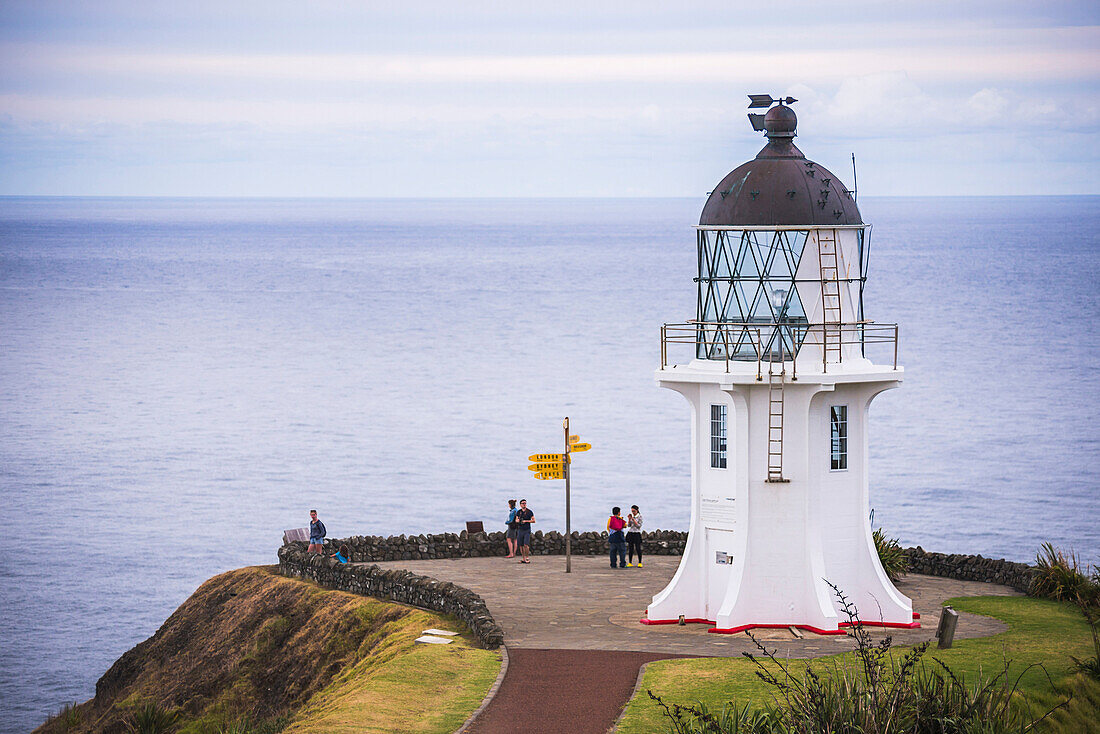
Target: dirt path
<point x="563" y="691"/>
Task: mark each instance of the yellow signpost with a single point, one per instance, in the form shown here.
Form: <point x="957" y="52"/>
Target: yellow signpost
<point x="547" y="457"/>
<point x="556" y="466"/>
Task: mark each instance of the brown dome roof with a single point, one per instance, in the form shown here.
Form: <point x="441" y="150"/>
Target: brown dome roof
<point x="780" y="187"/>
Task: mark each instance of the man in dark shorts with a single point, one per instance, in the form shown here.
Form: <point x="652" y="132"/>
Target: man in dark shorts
<point x="524" y="519"/>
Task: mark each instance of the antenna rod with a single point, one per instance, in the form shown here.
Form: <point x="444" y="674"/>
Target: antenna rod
<point x="855" y="181"/>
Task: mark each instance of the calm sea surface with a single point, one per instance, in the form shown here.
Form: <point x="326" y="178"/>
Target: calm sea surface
<point x="181" y="380"/>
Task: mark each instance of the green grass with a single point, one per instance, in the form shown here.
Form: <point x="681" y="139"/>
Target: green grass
<point x="1040" y="631"/>
<point x="431" y="688"/>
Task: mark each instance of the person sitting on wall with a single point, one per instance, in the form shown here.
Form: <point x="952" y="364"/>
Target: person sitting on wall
<point x="342" y="555"/>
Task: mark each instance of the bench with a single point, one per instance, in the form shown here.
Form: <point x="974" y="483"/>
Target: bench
<point x="296" y="534"/>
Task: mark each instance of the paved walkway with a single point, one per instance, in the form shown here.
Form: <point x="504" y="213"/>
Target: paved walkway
<point x="562" y="691"/>
<point x="539" y="606"/>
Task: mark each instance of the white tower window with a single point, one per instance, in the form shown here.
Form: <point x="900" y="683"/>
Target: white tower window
<point x="718" y="436"/>
<point x="838" y="437"/>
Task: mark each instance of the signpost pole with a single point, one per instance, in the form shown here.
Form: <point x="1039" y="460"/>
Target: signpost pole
<point x="568" y="531"/>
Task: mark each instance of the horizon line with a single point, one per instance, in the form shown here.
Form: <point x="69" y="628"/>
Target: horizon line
<point x="278" y="197"/>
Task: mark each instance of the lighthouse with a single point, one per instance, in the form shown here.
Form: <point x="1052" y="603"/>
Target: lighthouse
<point x="777" y="370"/>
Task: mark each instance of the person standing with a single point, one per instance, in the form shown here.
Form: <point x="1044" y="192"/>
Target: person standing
<point x="634" y="536"/>
<point x="524" y="519"/>
<point x="615" y="525"/>
<point x="317" y="533"/>
<point x="510" y="534"/>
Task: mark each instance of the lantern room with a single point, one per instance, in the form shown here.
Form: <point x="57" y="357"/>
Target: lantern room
<point x="782" y="260"/>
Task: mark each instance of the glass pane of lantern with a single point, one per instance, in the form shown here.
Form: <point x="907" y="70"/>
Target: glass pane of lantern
<point x="778" y="258"/>
<point x="864" y="252"/>
<point x="710" y="304"/>
<point x="746" y="264"/>
<point x="794" y="244"/>
<point x="778" y="292"/>
<point x="760" y="310"/>
<point x="740" y="306"/>
<point x="720" y="263"/>
<point x="794" y="311"/>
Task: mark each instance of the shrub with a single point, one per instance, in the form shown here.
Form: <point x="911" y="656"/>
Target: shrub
<point x="248" y="726"/>
<point x="68" y="717"/>
<point x="1061" y="577"/>
<point x="875" y="694"/>
<point x="890" y="554"/>
<point x="1090" y="666"/>
<point x="733" y="719"/>
<point x="151" y="718"/>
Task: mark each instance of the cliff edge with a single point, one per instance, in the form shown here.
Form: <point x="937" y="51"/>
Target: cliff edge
<point x="252" y="651"/>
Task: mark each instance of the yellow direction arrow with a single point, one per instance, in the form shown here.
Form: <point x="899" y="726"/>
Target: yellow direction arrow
<point x="550" y="475"/>
<point x="574" y="439"/>
<point x="546" y="457"/>
<point x="546" y="466"/>
<point x="580" y="447"/>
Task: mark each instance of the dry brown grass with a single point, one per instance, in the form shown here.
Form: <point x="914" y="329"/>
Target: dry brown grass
<point x="253" y="645"/>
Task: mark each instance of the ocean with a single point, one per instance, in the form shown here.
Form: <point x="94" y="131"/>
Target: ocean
<point x="183" y="379"/>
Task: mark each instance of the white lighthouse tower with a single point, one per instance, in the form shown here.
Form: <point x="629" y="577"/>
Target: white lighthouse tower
<point x="779" y="383"/>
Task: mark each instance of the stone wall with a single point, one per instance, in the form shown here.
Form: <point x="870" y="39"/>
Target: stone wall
<point x="374" y="548"/>
<point x="394" y="585"/>
<point x="971" y="568"/>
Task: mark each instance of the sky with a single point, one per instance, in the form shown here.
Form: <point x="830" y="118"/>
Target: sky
<point x="570" y="98"/>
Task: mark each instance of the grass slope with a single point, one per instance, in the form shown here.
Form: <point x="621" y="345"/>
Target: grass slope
<point x="252" y="651"/>
<point x="432" y="688"/>
<point x="1040" y="631"/>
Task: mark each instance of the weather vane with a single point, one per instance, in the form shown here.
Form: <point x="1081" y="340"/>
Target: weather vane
<point x="764" y="100"/>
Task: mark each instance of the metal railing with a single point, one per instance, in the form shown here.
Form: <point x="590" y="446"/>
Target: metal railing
<point x="754" y="341"/>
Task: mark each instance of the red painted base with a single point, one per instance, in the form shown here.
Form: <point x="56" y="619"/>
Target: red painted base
<point x="734" y="630"/>
<point x="893" y="625"/>
<point x="743" y="627"/>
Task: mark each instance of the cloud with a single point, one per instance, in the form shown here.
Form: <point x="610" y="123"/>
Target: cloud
<point x="656" y="106"/>
<point x="892" y="104"/>
<point x="1039" y="54"/>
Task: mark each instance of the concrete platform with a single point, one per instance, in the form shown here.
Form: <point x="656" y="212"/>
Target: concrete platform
<point x="595" y="607"/>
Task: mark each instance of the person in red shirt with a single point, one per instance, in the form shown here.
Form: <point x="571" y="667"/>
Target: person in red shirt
<point x="615" y="537"/>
